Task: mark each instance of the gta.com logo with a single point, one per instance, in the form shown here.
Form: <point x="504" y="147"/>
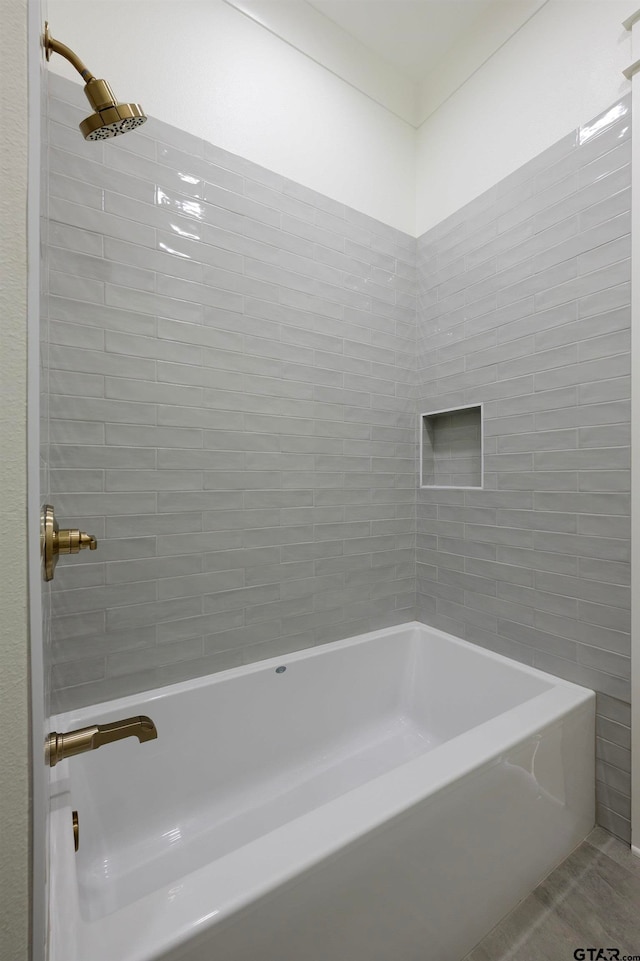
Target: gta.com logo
<point x="603" y="954"/>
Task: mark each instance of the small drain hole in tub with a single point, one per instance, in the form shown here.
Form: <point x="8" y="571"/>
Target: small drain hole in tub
<point x="280" y="670"/>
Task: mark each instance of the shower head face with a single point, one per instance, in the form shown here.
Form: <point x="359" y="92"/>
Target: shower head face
<point x="116" y="119"/>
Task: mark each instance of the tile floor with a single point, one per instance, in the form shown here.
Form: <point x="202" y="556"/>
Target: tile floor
<point x="591" y="900"/>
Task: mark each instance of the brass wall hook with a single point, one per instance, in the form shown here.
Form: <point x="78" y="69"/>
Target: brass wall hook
<point x="54" y="542"/>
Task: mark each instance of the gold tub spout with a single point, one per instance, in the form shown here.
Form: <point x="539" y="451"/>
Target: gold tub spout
<point x="59" y="746"/>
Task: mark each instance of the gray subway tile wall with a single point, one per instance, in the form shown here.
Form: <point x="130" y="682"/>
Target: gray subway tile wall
<point x="231" y="370"/>
<point x="237" y="368"/>
<point x="524" y="305"/>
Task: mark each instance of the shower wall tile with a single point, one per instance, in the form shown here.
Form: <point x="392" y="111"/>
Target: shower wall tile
<point x="232" y="365"/>
<point x="236" y="365"/>
<point x="524" y="304"/>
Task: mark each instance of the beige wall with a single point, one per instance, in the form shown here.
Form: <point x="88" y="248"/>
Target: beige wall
<point x="14" y="782"/>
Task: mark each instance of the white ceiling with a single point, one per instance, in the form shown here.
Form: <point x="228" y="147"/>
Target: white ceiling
<point x="413" y="35"/>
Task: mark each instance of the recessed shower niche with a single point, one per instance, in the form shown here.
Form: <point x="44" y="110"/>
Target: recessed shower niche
<point x="451" y="448"/>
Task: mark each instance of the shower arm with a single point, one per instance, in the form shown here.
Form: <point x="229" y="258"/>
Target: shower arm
<point x="54" y="46"/>
<point x="109" y="118"/>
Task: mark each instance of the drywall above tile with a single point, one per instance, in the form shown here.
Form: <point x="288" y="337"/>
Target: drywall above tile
<point x="561" y="69"/>
<point x="205" y="68"/>
<point x="292" y="101"/>
<point x="327" y="43"/>
<point x="409" y="57"/>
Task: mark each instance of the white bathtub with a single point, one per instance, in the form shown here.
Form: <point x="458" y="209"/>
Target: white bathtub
<point x="385" y="798"/>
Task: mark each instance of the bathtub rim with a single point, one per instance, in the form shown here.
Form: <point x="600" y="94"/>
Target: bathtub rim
<point x="87" y="714"/>
<point x="303" y="842"/>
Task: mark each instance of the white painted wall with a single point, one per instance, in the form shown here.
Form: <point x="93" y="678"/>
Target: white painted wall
<point x="299" y="24"/>
<point x="561" y="69"/>
<point x="14" y="673"/>
<point x="203" y="66"/>
<point x="472" y="49"/>
<point x="635" y="452"/>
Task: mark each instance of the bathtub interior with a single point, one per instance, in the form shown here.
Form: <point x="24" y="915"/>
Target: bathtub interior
<point x="244" y="752"/>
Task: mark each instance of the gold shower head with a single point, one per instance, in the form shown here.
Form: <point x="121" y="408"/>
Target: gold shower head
<point x="110" y="117"/>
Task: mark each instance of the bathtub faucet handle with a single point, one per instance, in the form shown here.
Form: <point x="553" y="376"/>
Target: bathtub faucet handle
<point x="54" y="542"/>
